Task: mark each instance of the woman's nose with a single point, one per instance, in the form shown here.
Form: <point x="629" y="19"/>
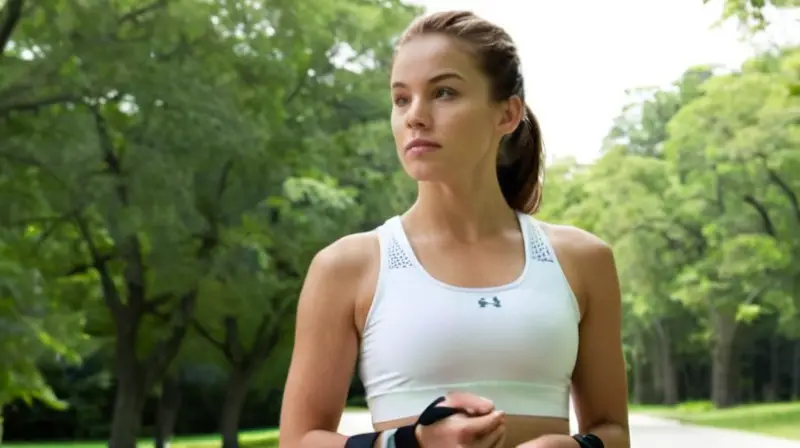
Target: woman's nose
<point x="418" y="115"/>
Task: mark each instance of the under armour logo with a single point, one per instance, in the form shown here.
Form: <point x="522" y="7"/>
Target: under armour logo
<point x="483" y="303"/>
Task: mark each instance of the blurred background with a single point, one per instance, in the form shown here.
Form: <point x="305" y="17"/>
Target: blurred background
<point x="169" y="167"/>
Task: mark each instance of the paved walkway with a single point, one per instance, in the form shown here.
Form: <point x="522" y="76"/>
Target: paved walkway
<point x="646" y="432"/>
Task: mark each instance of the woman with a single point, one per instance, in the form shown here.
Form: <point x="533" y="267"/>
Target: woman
<point x="465" y="295"/>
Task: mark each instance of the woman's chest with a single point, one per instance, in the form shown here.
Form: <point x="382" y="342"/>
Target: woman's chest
<point x="511" y="335"/>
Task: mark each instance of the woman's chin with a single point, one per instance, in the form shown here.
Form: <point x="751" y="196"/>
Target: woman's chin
<point x="426" y="172"/>
<point x="425" y="175"/>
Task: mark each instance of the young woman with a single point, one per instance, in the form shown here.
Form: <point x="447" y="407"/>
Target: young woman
<point x="465" y="295"/>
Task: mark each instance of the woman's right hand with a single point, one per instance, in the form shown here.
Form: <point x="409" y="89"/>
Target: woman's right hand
<point x="482" y="427"/>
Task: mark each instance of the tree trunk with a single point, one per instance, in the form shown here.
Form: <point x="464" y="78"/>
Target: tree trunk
<point x="638" y="381"/>
<point x="667" y="363"/>
<point x="168" y="405"/>
<point x="128" y="406"/>
<point x="656" y="372"/>
<point x="235" y="396"/>
<point x="130" y="394"/>
<point x="796" y="371"/>
<point x="773" y="390"/>
<point x="1" y="424"/>
<point x="724" y="328"/>
<point x="637" y="368"/>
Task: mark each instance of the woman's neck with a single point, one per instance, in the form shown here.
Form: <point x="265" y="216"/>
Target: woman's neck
<point x="467" y="210"/>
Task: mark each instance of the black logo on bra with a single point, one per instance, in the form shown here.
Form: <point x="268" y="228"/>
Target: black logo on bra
<point x="495" y="302"/>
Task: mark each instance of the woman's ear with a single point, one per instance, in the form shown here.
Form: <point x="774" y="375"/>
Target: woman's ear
<point x="512" y="112"/>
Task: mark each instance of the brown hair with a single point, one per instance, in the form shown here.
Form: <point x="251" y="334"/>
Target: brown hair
<point x="520" y="163"/>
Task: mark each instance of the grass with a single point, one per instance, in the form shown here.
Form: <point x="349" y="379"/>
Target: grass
<point x="775" y="419"/>
<point x="264" y="438"/>
<point x="249" y="439"/>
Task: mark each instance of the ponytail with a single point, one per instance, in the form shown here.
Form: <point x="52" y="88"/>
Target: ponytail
<point x="520" y="165"/>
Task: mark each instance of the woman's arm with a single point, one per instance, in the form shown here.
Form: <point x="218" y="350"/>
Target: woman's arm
<point x="326" y="342"/>
<point x="600" y="389"/>
<point x="600" y="386"/>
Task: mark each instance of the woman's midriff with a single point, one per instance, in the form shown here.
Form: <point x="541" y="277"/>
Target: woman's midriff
<point x="519" y="428"/>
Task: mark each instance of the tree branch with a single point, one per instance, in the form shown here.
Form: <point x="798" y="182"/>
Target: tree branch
<point x="205" y="334"/>
<point x="787" y="191"/>
<point x="130" y="246"/>
<point x="652" y="227"/>
<point x="167" y="349"/>
<point x="110" y="293"/>
<point x="201" y="330"/>
<point x="762" y="211"/>
<point x="269" y="333"/>
<point x="301" y="83"/>
<point x="152" y="305"/>
<point x="181" y="319"/>
<point x="12" y="13"/>
<point x="135" y="14"/>
<point x="35" y="105"/>
<point x="85" y="267"/>
<point x="54" y="225"/>
<point x="233" y="345"/>
<point x="223" y="178"/>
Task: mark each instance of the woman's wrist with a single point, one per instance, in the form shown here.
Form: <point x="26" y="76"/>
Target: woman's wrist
<point x="387" y="439"/>
<point x="418" y="435"/>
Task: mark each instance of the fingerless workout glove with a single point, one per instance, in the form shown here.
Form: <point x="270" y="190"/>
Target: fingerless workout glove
<point x="405" y="436"/>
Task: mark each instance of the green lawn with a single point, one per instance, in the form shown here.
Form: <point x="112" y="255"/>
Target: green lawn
<point x="777" y="419"/>
<point x="265" y="438"/>
<point x="249" y="439"/>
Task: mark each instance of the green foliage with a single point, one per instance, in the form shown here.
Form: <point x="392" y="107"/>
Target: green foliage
<point x="752" y="13"/>
<point x="169" y="169"/>
<point x="37" y="325"/>
<point x="697" y="190"/>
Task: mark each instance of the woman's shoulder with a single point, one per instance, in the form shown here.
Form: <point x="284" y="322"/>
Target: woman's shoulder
<point x="338" y="278"/>
<point x="586" y="260"/>
<point x="352" y="254"/>
<point x="575" y="240"/>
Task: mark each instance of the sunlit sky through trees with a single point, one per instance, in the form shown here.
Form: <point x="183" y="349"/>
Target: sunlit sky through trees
<point x="580" y="56"/>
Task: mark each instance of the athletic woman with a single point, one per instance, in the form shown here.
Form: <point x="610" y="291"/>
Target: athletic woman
<point x="465" y="295"/>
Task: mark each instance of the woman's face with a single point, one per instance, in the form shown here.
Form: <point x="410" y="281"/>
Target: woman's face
<point x="440" y="95"/>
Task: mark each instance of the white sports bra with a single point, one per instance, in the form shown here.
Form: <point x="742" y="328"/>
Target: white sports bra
<point x="515" y="344"/>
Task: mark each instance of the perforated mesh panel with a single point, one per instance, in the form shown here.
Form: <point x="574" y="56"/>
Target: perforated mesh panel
<point x="397" y="256"/>
<point x="539" y="250"/>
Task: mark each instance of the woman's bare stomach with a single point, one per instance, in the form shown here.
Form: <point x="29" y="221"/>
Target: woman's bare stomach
<point x="519" y="428"/>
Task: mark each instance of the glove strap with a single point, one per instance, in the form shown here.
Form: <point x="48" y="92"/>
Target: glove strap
<point x="588" y="441"/>
<point x="405" y="436"/>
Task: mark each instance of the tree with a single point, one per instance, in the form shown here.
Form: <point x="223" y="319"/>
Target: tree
<point x="695" y="190"/>
<point x="36" y="325"/>
<point x="751" y="13"/>
<point x="178" y="163"/>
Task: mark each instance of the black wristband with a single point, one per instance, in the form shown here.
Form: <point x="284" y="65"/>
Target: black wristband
<point x="588" y="441"/>
<point x="406" y="436"/>
<point x="366" y="440"/>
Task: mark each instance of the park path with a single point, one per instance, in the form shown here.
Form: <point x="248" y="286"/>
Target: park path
<point x="646" y="432"/>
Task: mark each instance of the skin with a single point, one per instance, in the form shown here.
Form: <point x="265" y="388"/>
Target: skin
<point x="439" y="93"/>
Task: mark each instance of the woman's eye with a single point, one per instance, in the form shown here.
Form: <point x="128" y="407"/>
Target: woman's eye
<point x="445" y="92"/>
<point x="400" y="101"/>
